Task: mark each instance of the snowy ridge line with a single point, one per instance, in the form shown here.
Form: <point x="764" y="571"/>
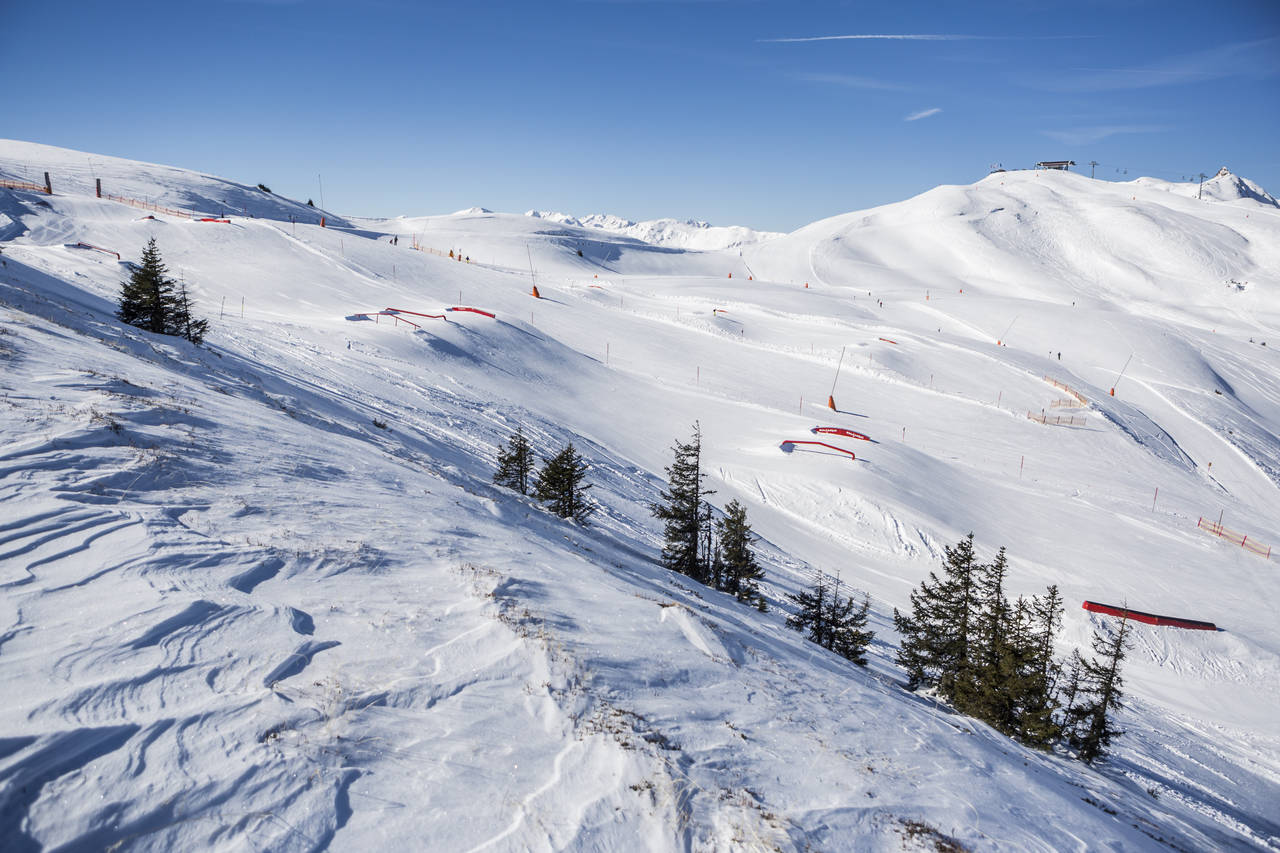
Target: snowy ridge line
<point x="1235" y="538"/>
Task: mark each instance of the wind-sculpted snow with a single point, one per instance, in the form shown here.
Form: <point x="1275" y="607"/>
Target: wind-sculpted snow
<point x="263" y="594"/>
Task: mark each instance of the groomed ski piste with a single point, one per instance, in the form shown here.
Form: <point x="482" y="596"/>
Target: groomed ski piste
<point x="262" y="594"/>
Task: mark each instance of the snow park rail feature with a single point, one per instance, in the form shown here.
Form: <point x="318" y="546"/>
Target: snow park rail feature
<point x="790" y="445"/>
<point x="1149" y="618"/>
<point x="1251" y="545"/>
<point x="83" y="245"/>
<point x="847" y="433"/>
<point x="397" y="314"/>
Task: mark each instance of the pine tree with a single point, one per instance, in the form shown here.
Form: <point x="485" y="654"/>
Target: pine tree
<point x="146" y="299"/>
<point x="936" y="636"/>
<point x="1037" y="723"/>
<point x="183" y="323"/>
<point x="515" y="463"/>
<point x="837" y="624"/>
<point x="812" y="612"/>
<point x="734" y="563"/>
<point x="850" y="636"/>
<point x="559" y="484"/>
<point x="149" y="301"/>
<point x="990" y="693"/>
<point x="686" y="515"/>
<point x="1100" y="681"/>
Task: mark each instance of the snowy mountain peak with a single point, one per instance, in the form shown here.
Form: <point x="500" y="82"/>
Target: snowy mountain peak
<point x="667" y="232"/>
<point x="1223" y="186"/>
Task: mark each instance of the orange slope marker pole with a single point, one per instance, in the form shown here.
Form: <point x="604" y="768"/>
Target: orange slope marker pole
<point x="831" y="398"/>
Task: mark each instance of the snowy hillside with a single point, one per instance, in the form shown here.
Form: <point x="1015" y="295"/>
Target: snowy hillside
<point x="673" y="233"/>
<point x="262" y="594"/>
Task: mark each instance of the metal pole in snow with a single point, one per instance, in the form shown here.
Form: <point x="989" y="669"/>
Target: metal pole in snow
<point x="1153" y="499"/>
<point x="1021" y="463"/>
<point x="837" y="379"/>
<point x="241" y="307"/>
<point x="1122" y="370"/>
<point x="223" y="310"/>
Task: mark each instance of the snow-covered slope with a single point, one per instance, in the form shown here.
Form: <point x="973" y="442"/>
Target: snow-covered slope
<point x="673" y="233"/>
<point x="262" y="593"/>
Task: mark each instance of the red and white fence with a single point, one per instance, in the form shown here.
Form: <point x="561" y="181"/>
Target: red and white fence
<point x="1235" y="538"/>
<point x="1080" y="398"/>
<point x="1058" y="420"/>
<point x="23" y="185"/>
<point x="147" y="205"/>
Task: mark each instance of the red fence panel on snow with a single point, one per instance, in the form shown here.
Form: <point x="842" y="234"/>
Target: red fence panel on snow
<point x="1235" y="538"/>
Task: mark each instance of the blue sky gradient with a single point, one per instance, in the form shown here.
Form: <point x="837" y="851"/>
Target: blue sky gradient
<point x="767" y="114"/>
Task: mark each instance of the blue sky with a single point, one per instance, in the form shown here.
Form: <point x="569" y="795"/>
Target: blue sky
<point x="768" y="114"/>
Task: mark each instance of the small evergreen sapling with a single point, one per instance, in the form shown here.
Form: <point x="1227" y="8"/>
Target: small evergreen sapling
<point x="184" y="324"/>
<point x="734" y="566"/>
<point x="686" y="515"/>
<point x="851" y="636"/>
<point x="150" y="301"/>
<point x="515" y="463"/>
<point x="146" y="299"/>
<point x="1099" y="680"/>
<point x="559" y="484"/>
<point x="836" y="624"/>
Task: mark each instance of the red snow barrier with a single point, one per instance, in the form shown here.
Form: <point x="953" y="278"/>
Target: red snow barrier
<point x="1065" y="387"/>
<point x="22" y="185"/>
<point x="887" y="341"/>
<point x="473" y="311"/>
<point x="213" y="219"/>
<point x="146" y="205"/>
<point x="786" y="445"/>
<point x="1058" y="420"/>
<point x="1149" y="618"/>
<point x="847" y="433"/>
<point x="1235" y="538"/>
<point x="96" y="249"/>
